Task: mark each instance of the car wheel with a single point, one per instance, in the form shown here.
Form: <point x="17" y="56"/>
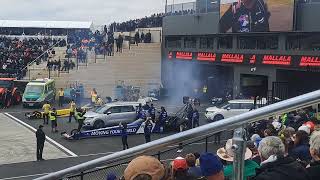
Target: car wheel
<point x="17" y="99"/>
<point x="218" y="117"/>
<point x="98" y="124"/>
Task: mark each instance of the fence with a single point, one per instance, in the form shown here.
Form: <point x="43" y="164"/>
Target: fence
<point x="203" y="131"/>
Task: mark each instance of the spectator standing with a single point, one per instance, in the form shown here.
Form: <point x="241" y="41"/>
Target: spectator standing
<point x="301" y="147"/>
<point x="180" y="169"/>
<point x="142" y="37"/>
<point x="137" y="38"/>
<point x="53" y="119"/>
<point x="41" y="138"/>
<point x="275" y="165"/>
<point x="124" y="136"/>
<point x="46" y="108"/>
<point x="314" y="167"/>
<point x="211" y="167"/>
<point x="193" y="170"/>
<point x="61" y="97"/>
<point x="72" y="110"/>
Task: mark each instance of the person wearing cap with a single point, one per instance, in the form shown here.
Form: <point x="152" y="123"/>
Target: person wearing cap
<point x="275" y="165"/>
<point x="211" y="167"/>
<point x="41" y="138"/>
<point x="53" y="119"/>
<point x="227" y="154"/>
<point x="144" y="166"/>
<point x="180" y="169"/>
<point x="301" y="147"/>
<point x="313" y="168"/>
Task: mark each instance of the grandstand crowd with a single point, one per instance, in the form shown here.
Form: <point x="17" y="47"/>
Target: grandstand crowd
<point x="287" y="147"/>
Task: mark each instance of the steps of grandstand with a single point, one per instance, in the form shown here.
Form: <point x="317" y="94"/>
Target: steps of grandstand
<point x="140" y="66"/>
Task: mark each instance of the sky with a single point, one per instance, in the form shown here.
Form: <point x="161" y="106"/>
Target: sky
<point x="99" y="11"/>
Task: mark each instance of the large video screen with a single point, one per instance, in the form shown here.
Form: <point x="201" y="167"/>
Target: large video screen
<point x="256" y="15"/>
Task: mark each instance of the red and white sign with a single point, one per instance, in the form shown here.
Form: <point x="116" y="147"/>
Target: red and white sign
<point x="253" y="59"/>
<point x="232" y="58"/>
<point x="206" y="56"/>
<point x="309" y="61"/>
<point x="277" y="60"/>
<point x="184" y="55"/>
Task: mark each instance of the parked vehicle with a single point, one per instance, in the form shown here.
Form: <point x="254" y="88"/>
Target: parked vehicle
<point x="39" y="91"/>
<point x="232" y="108"/>
<point x="10" y="91"/>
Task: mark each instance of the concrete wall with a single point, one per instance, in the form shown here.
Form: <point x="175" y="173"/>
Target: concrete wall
<point x="191" y="24"/>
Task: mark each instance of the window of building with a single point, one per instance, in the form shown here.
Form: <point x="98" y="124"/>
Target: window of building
<point x="190" y="42"/>
<point x="173" y="42"/>
<point x="206" y="43"/>
<point x="225" y="42"/>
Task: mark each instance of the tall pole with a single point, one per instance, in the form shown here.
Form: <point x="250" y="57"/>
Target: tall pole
<point x="165" y="9"/>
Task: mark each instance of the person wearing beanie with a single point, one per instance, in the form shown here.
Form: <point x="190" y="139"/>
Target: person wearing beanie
<point x="211" y="167"/>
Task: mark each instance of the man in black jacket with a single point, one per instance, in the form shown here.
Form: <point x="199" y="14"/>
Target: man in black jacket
<point x="274" y="165"/>
<point x="246" y="16"/>
<point x="41" y="138"/>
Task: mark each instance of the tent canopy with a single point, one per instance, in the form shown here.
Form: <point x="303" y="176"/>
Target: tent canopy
<point x="46" y="24"/>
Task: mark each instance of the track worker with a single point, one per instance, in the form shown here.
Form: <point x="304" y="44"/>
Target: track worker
<point x="124" y="136"/>
<point x="53" y="119"/>
<point x="80" y="117"/>
<point x="72" y="110"/>
<point x="61" y="97"/>
<point x="46" y="108"/>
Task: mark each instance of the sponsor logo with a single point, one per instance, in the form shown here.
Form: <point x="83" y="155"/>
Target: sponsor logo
<point x="205" y="56"/>
<point x="253" y="59"/>
<point x="277" y="60"/>
<point x="184" y="55"/>
<point x="309" y="61"/>
<point x="232" y="58"/>
<point x="112" y="132"/>
<point x="170" y="55"/>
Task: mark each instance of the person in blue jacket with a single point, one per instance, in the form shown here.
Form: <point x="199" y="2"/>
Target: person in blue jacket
<point x="124" y="136"/>
<point x="147" y="130"/>
<point x="195" y="118"/>
<point x="152" y="112"/>
<point x="139" y="111"/>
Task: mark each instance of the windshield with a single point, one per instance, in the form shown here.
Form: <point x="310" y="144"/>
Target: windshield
<point x="223" y="105"/>
<point x="6" y="84"/>
<point x="34" y="89"/>
<point x="100" y="110"/>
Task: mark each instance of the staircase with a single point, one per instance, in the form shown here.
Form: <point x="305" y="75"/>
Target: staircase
<point x="140" y="66"/>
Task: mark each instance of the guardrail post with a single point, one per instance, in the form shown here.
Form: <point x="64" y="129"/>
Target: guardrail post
<point x="159" y="155"/>
<point x="206" y="143"/>
<point x="81" y="175"/>
<point x="239" y="149"/>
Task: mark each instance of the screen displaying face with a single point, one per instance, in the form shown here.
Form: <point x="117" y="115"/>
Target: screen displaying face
<point x="256" y="15"/>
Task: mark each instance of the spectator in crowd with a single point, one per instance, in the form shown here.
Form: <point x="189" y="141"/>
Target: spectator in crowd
<point x="301" y="147"/>
<point x="275" y="165"/>
<point x="226" y="153"/>
<point x="211" y="167"/>
<point x="145" y="167"/>
<point x="137" y="38"/>
<point x="180" y="169"/>
<point x="193" y="171"/>
<point x="142" y="37"/>
<point x="314" y="167"/>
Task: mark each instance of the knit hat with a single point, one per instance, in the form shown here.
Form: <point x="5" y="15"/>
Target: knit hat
<point x="144" y="165"/>
<point x="179" y="163"/>
<point x="305" y="129"/>
<point x="210" y="164"/>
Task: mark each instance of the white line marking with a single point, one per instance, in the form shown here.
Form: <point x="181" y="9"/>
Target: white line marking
<point x="47" y="138"/>
<point x="18" y="177"/>
<point x="86" y="155"/>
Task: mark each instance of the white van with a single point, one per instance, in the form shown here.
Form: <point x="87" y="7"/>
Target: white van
<point x="232" y="108"/>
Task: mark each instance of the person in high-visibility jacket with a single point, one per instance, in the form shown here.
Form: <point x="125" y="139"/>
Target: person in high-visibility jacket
<point x="61" y="97"/>
<point x="94" y="96"/>
<point x="72" y="110"/>
<point x="46" y="108"/>
<point x="80" y="117"/>
<point x="53" y="119"/>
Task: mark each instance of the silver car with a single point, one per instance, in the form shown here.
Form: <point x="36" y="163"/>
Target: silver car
<point x="110" y="115"/>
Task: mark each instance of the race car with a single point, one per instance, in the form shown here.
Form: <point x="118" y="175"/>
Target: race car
<point x="10" y="91"/>
<point x="136" y="127"/>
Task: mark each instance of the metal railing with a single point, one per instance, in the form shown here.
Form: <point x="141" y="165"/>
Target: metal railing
<point x="239" y="121"/>
<point x="190" y="8"/>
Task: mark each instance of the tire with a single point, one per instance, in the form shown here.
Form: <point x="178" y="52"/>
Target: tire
<point x="17" y="99"/>
<point x="98" y="124"/>
<point x="73" y="132"/>
<point x="218" y="118"/>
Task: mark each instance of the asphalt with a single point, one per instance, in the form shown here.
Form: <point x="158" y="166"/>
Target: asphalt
<point x="89" y="149"/>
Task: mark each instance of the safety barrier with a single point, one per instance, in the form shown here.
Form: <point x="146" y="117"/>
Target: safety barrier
<point x="236" y="122"/>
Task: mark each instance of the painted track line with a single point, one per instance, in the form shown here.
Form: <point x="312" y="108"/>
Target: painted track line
<point x="53" y="142"/>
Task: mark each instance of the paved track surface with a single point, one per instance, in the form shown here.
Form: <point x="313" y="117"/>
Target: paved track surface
<point x="88" y="149"/>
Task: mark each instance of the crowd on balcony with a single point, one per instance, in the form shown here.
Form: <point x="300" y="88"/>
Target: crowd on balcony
<point x="15" y="54"/>
<point x="154" y="20"/>
<point x="286" y="147"/>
